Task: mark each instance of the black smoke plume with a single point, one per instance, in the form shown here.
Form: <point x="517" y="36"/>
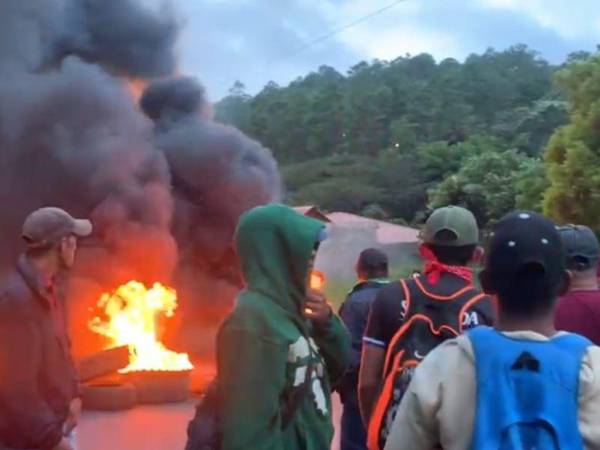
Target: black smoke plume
<point x="216" y="172"/>
<point x="164" y="194"/>
<point x="121" y="35"/>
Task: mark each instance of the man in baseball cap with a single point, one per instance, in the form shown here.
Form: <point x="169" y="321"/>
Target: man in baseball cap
<point x="451" y="226"/>
<point x="45" y="227"/>
<point x="406" y="316"/>
<point x="579" y="310"/>
<point x="520" y="384"/>
<point x="39" y="392"/>
<point x="525" y="266"/>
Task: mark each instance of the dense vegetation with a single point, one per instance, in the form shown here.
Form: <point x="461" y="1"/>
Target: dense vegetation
<point x="395" y="139"/>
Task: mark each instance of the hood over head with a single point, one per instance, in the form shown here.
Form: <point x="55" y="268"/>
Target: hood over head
<point x="275" y="245"/>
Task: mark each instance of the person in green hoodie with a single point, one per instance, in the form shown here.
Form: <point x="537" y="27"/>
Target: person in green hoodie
<point x="282" y="347"/>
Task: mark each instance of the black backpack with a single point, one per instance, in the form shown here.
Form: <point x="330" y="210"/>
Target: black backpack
<point x="204" y="432"/>
<point x="430" y="320"/>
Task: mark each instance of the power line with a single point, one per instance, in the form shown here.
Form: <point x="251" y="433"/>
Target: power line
<point x="336" y="31"/>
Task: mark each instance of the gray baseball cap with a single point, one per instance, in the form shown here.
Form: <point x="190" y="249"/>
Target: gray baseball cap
<point x="46" y="226"/>
<point x="581" y="246"/>
<point x="451" y="226"/>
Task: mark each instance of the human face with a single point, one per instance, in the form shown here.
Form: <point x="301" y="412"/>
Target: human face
<point x="68" y="249"/>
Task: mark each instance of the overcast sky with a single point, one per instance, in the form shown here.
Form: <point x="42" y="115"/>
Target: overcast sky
<point x="256" y="41"/>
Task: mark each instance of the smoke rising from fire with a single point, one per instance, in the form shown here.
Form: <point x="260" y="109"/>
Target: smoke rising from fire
<point x="164" y="194"/>
<point x="121" y="35"/>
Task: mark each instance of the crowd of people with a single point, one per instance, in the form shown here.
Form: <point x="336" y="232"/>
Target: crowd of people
<point x="505" y="357"/>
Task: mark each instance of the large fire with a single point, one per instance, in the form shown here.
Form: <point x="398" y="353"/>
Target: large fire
<point x="131" y="319"/>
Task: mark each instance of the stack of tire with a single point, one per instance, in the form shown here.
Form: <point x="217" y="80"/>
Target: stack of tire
<point x="105" y="389"/>
<point x="121" y="392"/>
<point x="109" y="395"/>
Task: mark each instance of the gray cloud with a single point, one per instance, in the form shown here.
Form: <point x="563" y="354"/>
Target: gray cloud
<point x="250" y="40"/>
<point x="474" y="27"/>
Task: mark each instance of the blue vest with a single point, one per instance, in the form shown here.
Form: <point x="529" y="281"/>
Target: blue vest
<point x="527" y="391"/>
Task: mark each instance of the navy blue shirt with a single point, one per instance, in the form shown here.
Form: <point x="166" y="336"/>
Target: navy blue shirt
<point x="355" y="313"/>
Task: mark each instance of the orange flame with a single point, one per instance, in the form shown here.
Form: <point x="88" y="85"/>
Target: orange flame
<point x="131" y="312"/>
<point x="136" y="87"/>
<point x="317" y="280"/>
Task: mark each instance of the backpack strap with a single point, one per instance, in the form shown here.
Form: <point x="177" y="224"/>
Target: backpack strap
<point x="390" y="350"/>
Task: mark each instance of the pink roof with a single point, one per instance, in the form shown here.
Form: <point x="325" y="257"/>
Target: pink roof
<point x="387" y="233"/>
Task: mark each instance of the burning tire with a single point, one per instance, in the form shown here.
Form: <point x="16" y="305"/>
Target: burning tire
<point x="109" y="396"/>
<point x="154" y="386"/>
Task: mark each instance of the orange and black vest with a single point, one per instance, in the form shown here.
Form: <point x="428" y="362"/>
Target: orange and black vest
<point x="431" y="317"/>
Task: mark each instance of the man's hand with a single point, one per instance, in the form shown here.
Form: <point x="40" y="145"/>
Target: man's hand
<point x="74" y="415"/>
<point x="64" y="444"/>
<point x="317" y="308"/>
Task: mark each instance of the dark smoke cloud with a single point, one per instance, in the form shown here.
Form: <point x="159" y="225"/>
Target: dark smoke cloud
<point x="217" y="173"/>
<point x="73" y="137"/>
<point x="169" y="101"/>
<point x="122" y="35"/>
<point x="164" y="196"/>
<point x="27" y="32"/>
<point x="209" y="162"/>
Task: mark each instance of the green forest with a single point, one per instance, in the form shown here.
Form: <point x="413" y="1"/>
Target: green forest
<point x="394" y="139"/>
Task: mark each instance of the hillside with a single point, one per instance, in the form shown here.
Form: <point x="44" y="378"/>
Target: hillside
<point x="393" y="139"/>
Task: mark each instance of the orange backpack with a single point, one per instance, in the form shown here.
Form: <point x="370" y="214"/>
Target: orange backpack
<point x="429" y="320"/>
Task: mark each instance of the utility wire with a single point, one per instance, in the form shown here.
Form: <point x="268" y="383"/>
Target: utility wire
<point x="336" y="31"/>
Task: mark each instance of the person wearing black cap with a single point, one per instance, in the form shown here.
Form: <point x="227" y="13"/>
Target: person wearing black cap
<point x="521" y="384"/>
<point x="579" y="310"/>
<point x="39" y="393"/>
<point x="372" y="272"/>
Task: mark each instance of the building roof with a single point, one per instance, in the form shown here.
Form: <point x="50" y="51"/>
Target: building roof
<point x="386" y="233"/>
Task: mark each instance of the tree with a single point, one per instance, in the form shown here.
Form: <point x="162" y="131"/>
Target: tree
<point x="397" y="130"/>
<point x="487" y="184"/>
<point x="438" y="159"/>
<point x="573" y="153"/>
<point x="530" y="185"/>
<point x="338" y="195"/>
<point x="235" y="108"/>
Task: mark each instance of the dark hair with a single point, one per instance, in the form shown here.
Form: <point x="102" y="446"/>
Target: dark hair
<point x="373" y="263"/>
<point x="528" y="292"/>
<point x="453" y="256"/>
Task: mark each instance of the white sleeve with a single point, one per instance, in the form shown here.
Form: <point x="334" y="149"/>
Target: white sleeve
<point x="589" y="399"/>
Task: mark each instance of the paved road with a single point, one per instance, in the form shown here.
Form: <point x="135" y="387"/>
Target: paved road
<point x="142" y="428"/>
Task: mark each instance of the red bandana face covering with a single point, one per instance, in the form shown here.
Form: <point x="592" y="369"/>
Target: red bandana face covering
<point x="434" y="268"/>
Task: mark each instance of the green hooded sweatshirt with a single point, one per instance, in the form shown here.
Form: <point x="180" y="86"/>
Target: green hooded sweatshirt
<point x="266" y="345"/>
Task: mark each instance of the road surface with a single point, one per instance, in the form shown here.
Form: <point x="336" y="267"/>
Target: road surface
<point x="143" y="428"/>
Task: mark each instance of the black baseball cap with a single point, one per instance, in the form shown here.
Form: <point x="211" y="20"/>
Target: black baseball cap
<point x="525" y="252"/>
<point x="581" y="246"/>
<point x="372" y="259"/>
